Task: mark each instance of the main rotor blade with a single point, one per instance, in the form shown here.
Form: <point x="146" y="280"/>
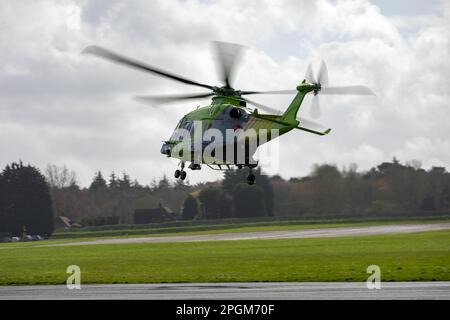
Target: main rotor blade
<point x="314" y="110"/>
<point x="322" y="77"/>
<point x="270" y="92"/>
<point x="172" y="98"/>
<point x="356" y="90"/>
<point x="228" y="54"/>
<point x="115" y="57"/>
<point x="309" y="76"/>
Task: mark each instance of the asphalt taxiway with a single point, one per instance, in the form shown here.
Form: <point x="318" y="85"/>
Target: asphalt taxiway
<point x="291" y="234"/>
<point x="230" y="291"/>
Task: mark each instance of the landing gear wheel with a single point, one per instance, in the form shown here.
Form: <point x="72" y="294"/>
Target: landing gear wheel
<point x="251" y="179"/>
<point x="177" y="174"/>
<point x="183" y="175"/>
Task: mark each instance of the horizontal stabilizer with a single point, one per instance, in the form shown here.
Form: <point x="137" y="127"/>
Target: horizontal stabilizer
<point x="320" y="133"/>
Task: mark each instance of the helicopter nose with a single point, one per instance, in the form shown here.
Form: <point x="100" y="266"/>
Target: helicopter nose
<point x="166" y="149"/>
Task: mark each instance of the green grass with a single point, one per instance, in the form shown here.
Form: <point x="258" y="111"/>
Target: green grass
<point x="165" y="232"/>
<point x="406" y="257"/>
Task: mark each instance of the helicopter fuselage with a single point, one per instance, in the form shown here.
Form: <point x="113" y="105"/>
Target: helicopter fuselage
<point x="224" y="133"/>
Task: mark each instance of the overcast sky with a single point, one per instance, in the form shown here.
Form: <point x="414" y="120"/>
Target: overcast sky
<point x="60" y="107"/>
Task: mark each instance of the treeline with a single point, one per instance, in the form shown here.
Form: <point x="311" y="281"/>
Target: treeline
<point x="119" y="196"/>
<point x="390" y="189"/>
<point x="110" y="197"/>
<point x="34" y="200"/>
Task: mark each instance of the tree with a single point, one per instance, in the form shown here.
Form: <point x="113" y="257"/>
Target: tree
<point x="125" y="182"/>
<point x="98" y="183"/>
<point x="26" y="202"/>
<point x="264" y="183"/>
<point x="216" y="204"/>
<point x="233" y="177"/>
<point x="63" y="189"/>
<point x="328" y="190"/>
<point x="113" y="181"/>
<point x="249" y="201"/>
<point x="3" y="217"/>
<point x="60" y="177"/>
<point x="190" y="208"/>
<point x="135" y="184"/>
<point x="164" y="183"/>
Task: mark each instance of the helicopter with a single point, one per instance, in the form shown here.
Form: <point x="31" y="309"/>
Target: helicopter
<point x="234" y="129"/>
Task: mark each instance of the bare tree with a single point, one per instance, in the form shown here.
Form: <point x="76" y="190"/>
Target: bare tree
<point x="60" y="176"/>
<point x="63" y="189"/>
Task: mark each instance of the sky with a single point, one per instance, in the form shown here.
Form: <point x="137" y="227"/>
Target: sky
<point x="60" y="107"/>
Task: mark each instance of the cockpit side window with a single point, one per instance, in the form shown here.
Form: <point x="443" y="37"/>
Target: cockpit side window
<point x="188" y="126"/>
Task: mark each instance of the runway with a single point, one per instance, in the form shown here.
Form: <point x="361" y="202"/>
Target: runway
<point x="310" y="233"/>
<point x="234" y="291"/>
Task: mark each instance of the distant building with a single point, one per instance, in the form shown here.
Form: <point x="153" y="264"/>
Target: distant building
<point x="154" y="215"/>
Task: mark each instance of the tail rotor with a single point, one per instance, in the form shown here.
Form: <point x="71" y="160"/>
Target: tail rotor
<point x="320" y="84"/>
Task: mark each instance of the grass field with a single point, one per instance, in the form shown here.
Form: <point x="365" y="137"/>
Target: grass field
<point x="406" y="257"/>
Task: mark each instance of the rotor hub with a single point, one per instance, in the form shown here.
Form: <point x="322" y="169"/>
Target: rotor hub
<point x="227" y="91"/>
<point x="317" y="88"/>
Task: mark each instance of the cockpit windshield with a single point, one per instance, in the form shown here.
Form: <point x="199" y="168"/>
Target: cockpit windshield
<point x="184" y="130"/>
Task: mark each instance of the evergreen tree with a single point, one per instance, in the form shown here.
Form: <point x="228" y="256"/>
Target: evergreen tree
<point x="264" y="183"/>
<point x="125" y="182"/>
<point x="216" y="204"/>
<point x="249" y="201"/>
<point x="190" y="208"/>
<point x="3" y="220"/>
<point x="98" y="183"/>
<point x="163" y="184"/>
<point x="135" y="184"/>
<point x="113" y="182"/>
<point x="234" y="177"/>
<point x="26" y="202"/>
<point x="328" y="190"/>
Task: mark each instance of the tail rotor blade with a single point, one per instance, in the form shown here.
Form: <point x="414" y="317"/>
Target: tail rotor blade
<point x="309" y="76"/>
<point x="314" y="111"/>
<point x="322" y="77"/>
<point x="351" y="90"/>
